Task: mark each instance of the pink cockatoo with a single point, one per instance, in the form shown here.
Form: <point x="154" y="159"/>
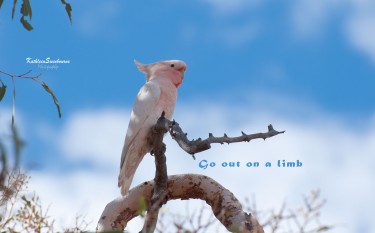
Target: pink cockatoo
<point x="157" y="95"/>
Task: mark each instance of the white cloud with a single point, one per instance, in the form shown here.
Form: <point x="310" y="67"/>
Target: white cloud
<point x="6" y="129"/>
<point x="96" y="136"/>
<point x="336" y="158"/>
<point x="5" y="120"/>
<point x="360" y="27"/>
<point x="74" y="194"/>
<point x="311" y="18"/>
<point x="221" y="28"/>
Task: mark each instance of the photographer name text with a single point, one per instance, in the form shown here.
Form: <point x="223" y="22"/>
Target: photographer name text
<point x="48" y="60"/>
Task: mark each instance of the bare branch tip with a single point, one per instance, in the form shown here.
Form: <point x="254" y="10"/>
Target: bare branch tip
<point x="28" y="72"/>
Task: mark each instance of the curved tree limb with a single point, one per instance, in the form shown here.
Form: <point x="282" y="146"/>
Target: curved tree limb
<point x="224" y="204"/>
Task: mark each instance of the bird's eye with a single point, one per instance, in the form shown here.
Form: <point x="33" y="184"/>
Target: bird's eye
<point x="172" y="65"/>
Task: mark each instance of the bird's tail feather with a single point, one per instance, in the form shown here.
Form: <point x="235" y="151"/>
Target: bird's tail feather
<point x="127" y="172"/>
<point x="124" y="184"/>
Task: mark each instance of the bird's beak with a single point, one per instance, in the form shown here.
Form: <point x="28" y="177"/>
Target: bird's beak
<point x="182" y="71"/>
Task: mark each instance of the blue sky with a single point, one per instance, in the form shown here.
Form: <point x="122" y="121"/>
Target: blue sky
<point x="258" y="46"/>
<point x="302" y="65"/>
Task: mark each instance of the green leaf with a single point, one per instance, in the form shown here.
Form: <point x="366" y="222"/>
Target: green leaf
<point x="53" y="97"/>
<point x="28" y="203"/>
<point x="68" y="9"/>
<point x="14" y="7"/>
<point x="26" y="9"/>
<point x="1" y="3"/>
<point x="7" y="221"/>
<point x="3" y="154"/>
<point x="18" y="144"/>
<point x="3" y="89"/>
<point x="4" y="169"/>
<point x="29" y="8"/>
<point x="26" y="24"/>
<point x="142" y="206"/>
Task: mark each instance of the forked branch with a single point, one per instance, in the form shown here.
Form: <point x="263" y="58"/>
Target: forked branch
<point x="224" y="204"/>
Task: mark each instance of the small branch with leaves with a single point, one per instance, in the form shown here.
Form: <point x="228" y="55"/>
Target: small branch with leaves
<point x="36" y="78"/>
<point x="26" y="12"/>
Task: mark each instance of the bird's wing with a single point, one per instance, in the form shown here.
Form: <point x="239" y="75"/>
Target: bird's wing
<point x="145" y="103"/>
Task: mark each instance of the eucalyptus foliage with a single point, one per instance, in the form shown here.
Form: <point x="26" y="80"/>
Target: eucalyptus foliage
<point x="27" y="13"/>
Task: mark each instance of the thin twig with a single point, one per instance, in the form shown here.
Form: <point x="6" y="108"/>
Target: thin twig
<point x="35" y="79"/>
<point x="22" y="75"/>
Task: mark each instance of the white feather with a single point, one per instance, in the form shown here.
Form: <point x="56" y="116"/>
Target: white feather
<point x="157" y="95"/>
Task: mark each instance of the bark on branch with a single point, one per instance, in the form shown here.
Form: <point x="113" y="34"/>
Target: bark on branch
<point x="161" y="176"/>
<point x="195" y="146"/>
<point x="224" y="204"/>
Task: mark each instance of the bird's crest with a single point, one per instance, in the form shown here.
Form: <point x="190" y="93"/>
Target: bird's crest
<point x="144" y="68"/>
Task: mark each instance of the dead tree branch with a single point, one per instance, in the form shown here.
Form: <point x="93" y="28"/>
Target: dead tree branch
<point x="195" y="146"/>
<point x="305" y="218"/>
<point x="224" y="204"/>
<point x="161" y="176"/>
